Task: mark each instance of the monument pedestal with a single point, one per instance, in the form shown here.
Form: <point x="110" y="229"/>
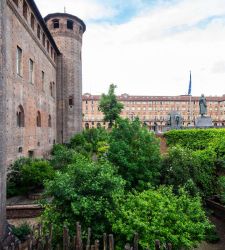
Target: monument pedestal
<point x="204" y="122"/>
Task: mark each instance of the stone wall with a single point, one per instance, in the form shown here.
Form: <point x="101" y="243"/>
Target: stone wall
<point x="2" y="116"/>
<point x="33" y="97"/>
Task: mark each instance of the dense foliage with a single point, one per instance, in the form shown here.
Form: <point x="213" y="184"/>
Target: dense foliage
<point x="135" y="151"/>
<point x="194" y="138"/>
<point x="88" y="141"/>
<point x="22" y="231"/>
<point x="27" y="174"/>
<point x="109" y="105"/>
<point x="193" y="169"/>
<point x="84" y="193"/>
<point x="160" y="214"/>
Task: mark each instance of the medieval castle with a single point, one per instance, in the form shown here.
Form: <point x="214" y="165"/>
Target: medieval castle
<point x="40" y="82"/>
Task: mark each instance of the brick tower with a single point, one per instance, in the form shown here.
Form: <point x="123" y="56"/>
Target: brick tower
<point x="67" y="31"/>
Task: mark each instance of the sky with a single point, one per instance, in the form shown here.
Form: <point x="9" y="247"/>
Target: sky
<point x="148" y="47"/>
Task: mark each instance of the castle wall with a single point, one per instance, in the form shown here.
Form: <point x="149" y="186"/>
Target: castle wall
<point x="2" y="118"/>
<point x="34" y="96"/>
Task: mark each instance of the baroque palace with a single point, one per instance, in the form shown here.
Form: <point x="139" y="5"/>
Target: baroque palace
<point x="154" y="110"/>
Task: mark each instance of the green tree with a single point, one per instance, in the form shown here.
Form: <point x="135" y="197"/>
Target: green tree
<point x="160" y="214"/>
<point x="84" y="193"/>
<point x="109" y="105"/>
<point x="136" y="153"/>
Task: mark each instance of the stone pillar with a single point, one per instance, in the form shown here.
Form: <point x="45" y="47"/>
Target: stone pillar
<point x="3" y="20"/>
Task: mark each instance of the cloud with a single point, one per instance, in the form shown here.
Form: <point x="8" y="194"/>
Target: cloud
<point x="153" y="52"/>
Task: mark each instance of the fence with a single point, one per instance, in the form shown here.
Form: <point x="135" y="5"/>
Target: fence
<point x="37" y="240"/>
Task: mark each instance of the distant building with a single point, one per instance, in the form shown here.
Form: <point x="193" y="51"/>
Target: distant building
<point x="154" y="110"/>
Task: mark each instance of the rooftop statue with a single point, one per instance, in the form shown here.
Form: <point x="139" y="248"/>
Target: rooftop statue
<point x="202" y="106"/>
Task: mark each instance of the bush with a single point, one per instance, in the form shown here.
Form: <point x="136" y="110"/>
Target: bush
<point x="222" y="188"/>
<point x="195" y="139"/>
<point x="87" y="141"/>
<point x="159" y="214"/>
<point x="27" y="174"/>
<point x="84" y="193"/>
<point x="22" y="231"/>
<point x="194" y="170"/>
<point x="136" y="153"/>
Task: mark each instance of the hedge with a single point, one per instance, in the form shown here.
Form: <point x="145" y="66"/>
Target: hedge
<point x="194" y="138"/>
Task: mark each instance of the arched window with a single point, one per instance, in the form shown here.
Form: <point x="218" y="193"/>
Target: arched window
<point x="38" y="119"/>
<point x="20" y="116"/>
<point x="51" y="89"/>
<point x="49" y="121"/>
<point x="87" y="125"/>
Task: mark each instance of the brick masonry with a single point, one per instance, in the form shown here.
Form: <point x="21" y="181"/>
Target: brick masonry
<point x="56" y="54"/>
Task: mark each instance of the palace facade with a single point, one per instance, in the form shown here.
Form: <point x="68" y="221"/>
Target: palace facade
<point x="154" y="110"/>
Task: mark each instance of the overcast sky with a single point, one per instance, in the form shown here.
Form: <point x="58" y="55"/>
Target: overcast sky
<point x="148" y="47"/>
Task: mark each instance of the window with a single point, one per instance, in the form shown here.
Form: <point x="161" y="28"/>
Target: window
<point x="55" y="23"/>
<point x="25" y="9"/>
<point x="87" y="125"/>
<point x="20" y="150"/>
<point x="38" y="119"/>
<point x="31" y="71"/>
<point x="98" y="125"/>
<point x="70" y="24"/>
<point x="16" y="2"/>
<point x="48" y="45"/>
<point x="49" y="121"/>
<point x="51" y="89"/>
<point x="43" y="39"/>
<point x="20" y="116"/>
<point x="19" y="61"/>
<point x="51" y="52"/>
<point x="42" y="80"/>
<point x="32" y="21"/>
<point x="38" y="31"/>
<point x="71" y="101"/>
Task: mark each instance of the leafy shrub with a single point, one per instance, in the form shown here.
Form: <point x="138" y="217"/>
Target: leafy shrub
<point x="222" y="188"/>
<point x="160" y="214"/>
<point x="22" y="231"/>
<point x="84" y="193"/>
<point x="194" y="170"/>
<point x="86" y="142"/>
<point x="195" y="139"/>
<point x="26" y="174"/>
<point x="135" y="151"/>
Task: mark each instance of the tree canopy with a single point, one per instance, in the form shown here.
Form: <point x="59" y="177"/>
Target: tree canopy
<point x="109" y="105"/>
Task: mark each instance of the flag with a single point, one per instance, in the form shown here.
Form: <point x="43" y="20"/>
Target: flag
<point x="189" y="88"/>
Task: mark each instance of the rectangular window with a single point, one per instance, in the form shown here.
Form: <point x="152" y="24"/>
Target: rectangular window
<point x="38" y="31"/>
<point x="42" y="80"/>
<point x="32" y="21"/>
<point x="71" y="101"/>
<point x="25" y="9"/>
<point x="31" y="71"/>
<point x="56" y="24"/>
<point x="19" y="61"/>
<point x="48" y="46"/>
<point x="43" y="39"/>
<point x="69" y="24"/>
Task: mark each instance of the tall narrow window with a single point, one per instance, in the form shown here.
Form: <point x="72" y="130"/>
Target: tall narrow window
<point x="31" y="71"/>
<point x="49" y="121"/>
<point x="32" y="21"/>
<point x="19" y="61"/>
<point x="51" y="88"/>
<point x="25" y="9"/>
<point x="55" y="23"/>
<point x="20" y="116"/>
<point x="69" y="24"/>
<point x="38" y="31"/>
<point x="43" y="39"/>
<point x="48" y="46"/>
<point x="51" y="52"/>
<point x="38" y="119"/>
<point x="71" y="103"/>
<point x="42" y="80"/>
